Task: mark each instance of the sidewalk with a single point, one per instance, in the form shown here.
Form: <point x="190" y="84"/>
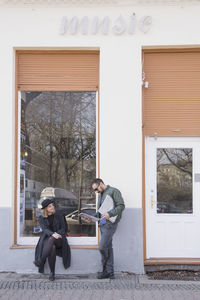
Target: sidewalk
<point x="81" y="287"/>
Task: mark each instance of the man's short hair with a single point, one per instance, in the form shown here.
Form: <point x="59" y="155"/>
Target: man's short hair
<point x="97" y="181"/>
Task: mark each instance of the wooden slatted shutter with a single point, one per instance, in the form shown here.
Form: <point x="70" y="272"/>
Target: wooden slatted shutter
<point x="57" y="70"/>
<point x="171" y="103"/>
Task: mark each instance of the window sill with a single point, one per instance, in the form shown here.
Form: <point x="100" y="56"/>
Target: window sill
<point x="93" y="247"/>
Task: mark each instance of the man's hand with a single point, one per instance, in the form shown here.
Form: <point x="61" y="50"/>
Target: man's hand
<point x="56" y="235"/>
<point x="106" y="216"/>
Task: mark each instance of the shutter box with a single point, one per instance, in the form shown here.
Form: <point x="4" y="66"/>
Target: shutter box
<point x="171" y="102"/>
<point x="57" y="70"/>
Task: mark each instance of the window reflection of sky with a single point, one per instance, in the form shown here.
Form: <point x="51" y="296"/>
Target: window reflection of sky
<point x="174" y="153"/>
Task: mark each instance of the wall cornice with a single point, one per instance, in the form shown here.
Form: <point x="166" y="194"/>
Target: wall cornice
<point x="98" y="2"/>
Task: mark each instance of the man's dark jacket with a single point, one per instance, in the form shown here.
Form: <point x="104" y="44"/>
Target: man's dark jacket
<point x="59" y="226"/>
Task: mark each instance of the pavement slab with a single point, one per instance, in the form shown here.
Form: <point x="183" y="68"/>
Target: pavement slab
<point x="126" y="286"/>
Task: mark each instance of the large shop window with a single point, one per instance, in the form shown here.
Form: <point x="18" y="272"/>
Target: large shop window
<point x="57" y="158"/>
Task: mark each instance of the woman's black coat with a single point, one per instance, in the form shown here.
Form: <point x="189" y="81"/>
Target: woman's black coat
<point x="59" y="226"/>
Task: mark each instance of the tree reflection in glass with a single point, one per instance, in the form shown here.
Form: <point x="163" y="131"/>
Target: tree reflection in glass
<point x="174" y="180"/>
<point x="58" y="150"/>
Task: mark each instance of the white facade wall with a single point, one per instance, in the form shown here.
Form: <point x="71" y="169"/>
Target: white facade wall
<point x="35" y="26"/>
<point x="31" y="26"/>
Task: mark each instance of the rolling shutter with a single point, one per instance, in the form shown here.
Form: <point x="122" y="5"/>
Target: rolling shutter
<point x="171" y="103"/>
<point x="57" y="70"/>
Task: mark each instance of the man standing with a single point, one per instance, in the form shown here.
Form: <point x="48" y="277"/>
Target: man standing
<point x="107" y="228"/>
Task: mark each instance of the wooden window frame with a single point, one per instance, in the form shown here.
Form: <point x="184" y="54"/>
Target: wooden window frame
<point x="16" y="153"/>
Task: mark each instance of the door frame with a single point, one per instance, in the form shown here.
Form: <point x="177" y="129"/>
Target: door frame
<point x="157" y="261"/>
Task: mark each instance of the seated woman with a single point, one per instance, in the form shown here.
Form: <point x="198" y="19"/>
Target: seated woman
<point x="52" y="241"/>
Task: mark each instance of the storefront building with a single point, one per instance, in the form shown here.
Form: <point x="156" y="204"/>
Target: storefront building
<point x="106" y="89"/>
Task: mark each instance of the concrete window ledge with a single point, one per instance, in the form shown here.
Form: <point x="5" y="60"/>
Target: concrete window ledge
<point x="94" y="247"/>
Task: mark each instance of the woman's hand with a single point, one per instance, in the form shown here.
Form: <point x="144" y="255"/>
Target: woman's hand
<point x="88" y="220"/>
<point x="56" y="235"/>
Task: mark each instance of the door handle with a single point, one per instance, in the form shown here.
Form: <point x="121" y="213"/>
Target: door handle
<point x="152" y="201"/>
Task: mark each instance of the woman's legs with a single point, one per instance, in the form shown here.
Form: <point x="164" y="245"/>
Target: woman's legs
<point x="52" y="259"/>
<point x="49" y="250"/>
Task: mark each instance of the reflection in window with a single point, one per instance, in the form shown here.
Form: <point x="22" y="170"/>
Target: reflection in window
<point x="58" y="157"/>
<point x="174" y="180"/>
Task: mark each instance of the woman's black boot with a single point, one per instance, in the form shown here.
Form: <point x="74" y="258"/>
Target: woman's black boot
<point x="41" y="267"/>
<point x="52" y="276"/>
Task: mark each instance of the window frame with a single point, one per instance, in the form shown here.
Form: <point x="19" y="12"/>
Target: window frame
<point x="32" y="241"/>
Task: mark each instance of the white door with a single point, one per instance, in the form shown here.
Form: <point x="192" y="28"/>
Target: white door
<point x="172" y="197"/>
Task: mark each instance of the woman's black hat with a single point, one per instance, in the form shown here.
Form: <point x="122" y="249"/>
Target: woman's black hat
<point x="46" y="202"/>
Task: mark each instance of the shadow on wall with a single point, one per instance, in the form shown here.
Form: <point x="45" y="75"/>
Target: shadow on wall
<point x="128" y="242"/>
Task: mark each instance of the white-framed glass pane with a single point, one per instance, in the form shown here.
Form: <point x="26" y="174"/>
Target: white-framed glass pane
<point x="174" y="181"/>
<point x="57" y="158"/>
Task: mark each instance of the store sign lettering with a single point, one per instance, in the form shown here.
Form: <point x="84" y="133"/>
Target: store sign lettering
<point x="96" y="25"/>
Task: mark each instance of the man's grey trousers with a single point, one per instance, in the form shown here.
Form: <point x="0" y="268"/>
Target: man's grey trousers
<point x="106" y="248"/>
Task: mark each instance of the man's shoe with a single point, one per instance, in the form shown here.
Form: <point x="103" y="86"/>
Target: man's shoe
<point x="52" y="276"/>
<point x="105" y="275"/>
<point x="104" y="270"/>
<point x="112" y="275"/>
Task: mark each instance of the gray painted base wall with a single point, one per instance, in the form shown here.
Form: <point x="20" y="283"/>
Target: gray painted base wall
<point x="128" y="249"/>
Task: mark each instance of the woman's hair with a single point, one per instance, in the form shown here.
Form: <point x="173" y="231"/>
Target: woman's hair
<point x="45" y="213"/>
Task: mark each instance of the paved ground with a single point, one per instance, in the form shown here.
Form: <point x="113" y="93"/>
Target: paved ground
<point x="124" y="287"/>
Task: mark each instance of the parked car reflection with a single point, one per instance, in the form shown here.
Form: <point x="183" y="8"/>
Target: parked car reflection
<point x="65" y="202"/>
<point x="164" y="207"/>
<point x="77" y="226"/>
